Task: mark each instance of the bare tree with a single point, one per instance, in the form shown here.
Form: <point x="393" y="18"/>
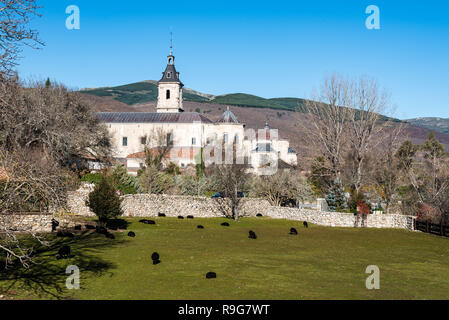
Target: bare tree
<point x="231" y="181"/>
<point x="282" y="187"/>
<point x="51" y="119"/>
<point x="15" y="17"/>
<point x="158" y="145"/>
<point x="368" y="102"/>
<point x="386" y="173"/>
<point x="329" y="120"/>
<point x="29" y="182"/>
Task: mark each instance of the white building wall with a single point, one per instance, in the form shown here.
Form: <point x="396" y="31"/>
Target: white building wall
<point x="174" y="103"/>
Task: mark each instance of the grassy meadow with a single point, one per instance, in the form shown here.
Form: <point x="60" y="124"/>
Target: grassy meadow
<point x="319" y="263"/>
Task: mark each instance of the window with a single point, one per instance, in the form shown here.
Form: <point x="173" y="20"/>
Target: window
<point x="169" y="139"/>
<point x="143" y="140"/>
<point x="125" y="141"/>
<point x="168" y="74"/>
<point x="167" y="94"/>
<point x="236" y="138"/>
<point x="225" y="137"/>
<point x="193" y="141"/>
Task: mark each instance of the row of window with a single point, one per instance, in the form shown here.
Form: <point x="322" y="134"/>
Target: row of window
<point x="143" y="140"/>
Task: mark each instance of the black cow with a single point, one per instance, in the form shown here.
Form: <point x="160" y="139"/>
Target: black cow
<point x="180" y="217"/>
<point x="211" y="275"/>
<point x="150" y="222"/>
<point x="143" y="220"/>
<point x="131" y="234"/>
<point x="293" y="231"/>
<point x="63" y="252"/>
<point x="225" y="224"/>
<point x="305" y="224"/>
<point x="54" y="224"/>
<point x="161" y="214"/>
<point x="110" y="235"/>
<point x="101" y="230"/>
<point x="252" y="235"/>
<point x="189" y="217"/>
<point x="200" y="227"/>
<point x="155" y="257"/>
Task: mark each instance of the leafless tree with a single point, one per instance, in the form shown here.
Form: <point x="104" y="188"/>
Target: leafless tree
<point x="329" y="117"/>
<point x="230" y="180"/>
<point x="158" y="146"/>
<point x="368" y="102"/>
<point x="386" y="173"/>
<point x="29" y="181"/>
<point x="52" y="119"/>
<point x="282" y="187"/>
<point x="15" y="17"/>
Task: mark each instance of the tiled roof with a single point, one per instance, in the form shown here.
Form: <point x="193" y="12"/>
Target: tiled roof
<point x="151" y="117"/>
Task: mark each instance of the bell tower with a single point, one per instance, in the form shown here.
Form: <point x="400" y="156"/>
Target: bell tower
<point x="170" y="88"/>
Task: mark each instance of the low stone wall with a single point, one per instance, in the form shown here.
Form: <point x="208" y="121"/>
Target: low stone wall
<point x="32" y="223"/>
<point x="149" y="205"/>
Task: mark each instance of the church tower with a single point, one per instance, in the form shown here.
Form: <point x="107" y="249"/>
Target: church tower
<point x="170" y="88"/>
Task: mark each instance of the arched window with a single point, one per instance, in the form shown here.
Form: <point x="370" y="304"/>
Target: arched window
<point x="167" y="94"/>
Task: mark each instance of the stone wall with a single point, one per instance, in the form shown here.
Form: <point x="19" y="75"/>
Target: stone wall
<point x="149" y="205"/>
<point x="32" y="223"/>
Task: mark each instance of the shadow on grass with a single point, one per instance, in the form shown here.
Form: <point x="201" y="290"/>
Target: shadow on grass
<point x="47" y="277"/>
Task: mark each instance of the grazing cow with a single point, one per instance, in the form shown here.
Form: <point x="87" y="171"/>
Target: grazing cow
<point x="211" y="275"/>
<point x="155" y="258"/>
<point x="259" y="215"/>
<point x="150" y="222"/>
<point x="305" y="224"/>
<point x="180" y="217"/>
<point x="293" y="231"/>
<point x="189" y="217"/>
<point x="101" y="230"/>
<point x="131" y="234"/>
<point x="89" y="227"/>
<point x="225" y="224"/>
<point x="78" y="227"/>
<point x="161" y="214"/>
<point x="110" y="235"/>
<point x="63" y="252"/>
<point x="200" y="227"/>
<point x="252" y="235"/>
<point x="54" y="224"/>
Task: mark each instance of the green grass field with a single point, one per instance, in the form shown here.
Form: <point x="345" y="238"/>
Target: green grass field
<point x="320" y="263"/>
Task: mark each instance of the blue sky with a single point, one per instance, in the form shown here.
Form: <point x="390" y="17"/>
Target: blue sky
<point x="270" y="49"/>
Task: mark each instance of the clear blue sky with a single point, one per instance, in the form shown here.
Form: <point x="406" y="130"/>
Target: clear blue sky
<point x="270" y="49"/>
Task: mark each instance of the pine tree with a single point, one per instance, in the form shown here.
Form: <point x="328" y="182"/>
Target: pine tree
<point x="336" y="200"/>
<point x="48" y="83"/>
